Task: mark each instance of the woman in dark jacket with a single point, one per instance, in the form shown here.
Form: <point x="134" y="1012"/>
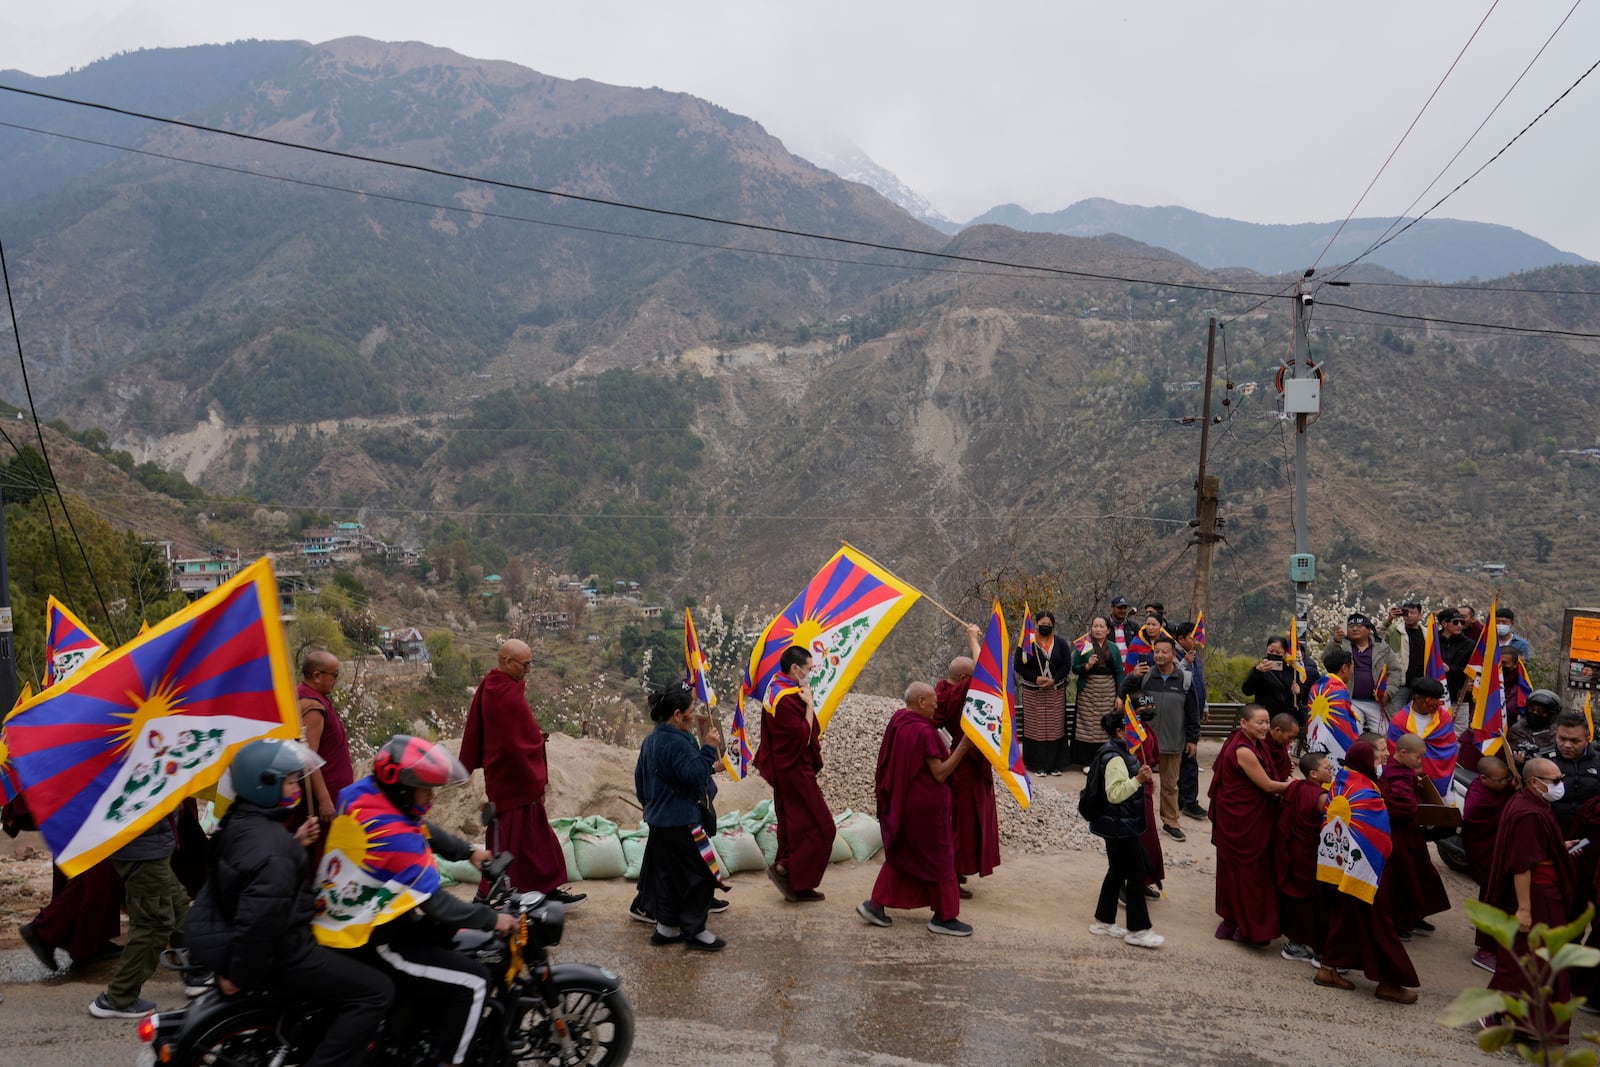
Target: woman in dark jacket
<point x="251" y="922"/>
<point x="1271" y="682"/>
<point x="1042" y="675"/>
<point x="1121" y="824"/>
<point x="671" y="776"/>
<point x="1098" y="666"/>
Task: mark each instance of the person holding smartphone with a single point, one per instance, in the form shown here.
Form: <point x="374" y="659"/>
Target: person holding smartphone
<point x="1271" y="682"/>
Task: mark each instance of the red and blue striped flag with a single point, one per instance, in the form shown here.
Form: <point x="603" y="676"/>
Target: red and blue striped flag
<point x="1488" y="693"/>
<point x="1133" y="730"/>
<point x="1028" y="639"/>
<point x="1200" y="629"/>
<point x="989" y="715"/>
<point x="68" y="644"/>
<point x="1138" y="649"/>
<point x="1332" y="724"/>
<point x="1355" y="844"/>
<point x="695" y="661"/>
<point x="105" y="754"/>
<point x="1438" y="734"/>
<point x="377" y="866"/>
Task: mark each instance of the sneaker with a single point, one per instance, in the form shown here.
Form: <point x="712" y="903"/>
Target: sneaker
<point x="718" y="905"/>
<point x="1194" y="811"/>
<point x="41" y="951"/>
<point x="639" y="915"/>
<point x="100" y="1007"/>
<point x="873" y="914"/>
<point x="196" y="983"/>
<point x="1484" y="960"/>
<point x="950" y="927"/>
<point x="809" y="896"/>
<point x="1145" y="939"/>
<point x="1298" y="953"/>
<point x="694" y="944"/>
<point x="567" y="897"/>
<point x="1108" y="930"/>
<point x="1405" y="935"/>
<point x="1424" y="927"/>
<point x="1175" y="832"/>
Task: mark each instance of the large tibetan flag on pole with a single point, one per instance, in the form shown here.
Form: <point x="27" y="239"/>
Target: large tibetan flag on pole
<point x="104" y="755"/>
<point x="841" y="616"/>
<point x="989" y="716"/>
<point x="8" y="780"/>
<point x="1488" y="692"/>
<point x="1355" y="844"/>
<point x="1333" y="723"/>
<point x="68" y="644"/>
<point x="695" y="661"/>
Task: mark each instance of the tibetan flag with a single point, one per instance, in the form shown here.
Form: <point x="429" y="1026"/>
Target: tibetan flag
<point x="1083" y="643"/>
<point x="1381" y="691"/>
<point x="1200" y="629"/>
<point x="8" y="782"/>
<point x="695" y="660"/>
<point x="1138" y="649"/>
<point x="104" y="755"/>
<point x="840" y="617"/>
<point x="1294" y="652"/>
<point x="68" y="644"/>
<point x="989" y="716"/>
<point x="1333" y="723"/>
<point x="1588" y="712"/>
<point x="1432" y="657"/>
<point x="780" y="686"/>
<point x="1524" y="683"/>
<point x="1355" y="844"/>
<point x="737" y="756"/>
<point x="1133" y="730"/>
<point x="1439" y="734"/>
<point x="1028" y="640"/>
<point x="375" y="867"/>
<point x="1488" y="693"/>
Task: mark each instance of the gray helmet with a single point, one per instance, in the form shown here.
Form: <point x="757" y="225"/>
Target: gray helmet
<point x="260" y="768"/>
<point x="1545" y="701"/>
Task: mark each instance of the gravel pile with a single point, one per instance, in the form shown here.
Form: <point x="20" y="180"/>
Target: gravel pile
<point x="850" y="759"/>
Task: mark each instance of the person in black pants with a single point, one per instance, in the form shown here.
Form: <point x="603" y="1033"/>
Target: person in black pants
<point x="1121" y="824"/>
<point x="1189" y="770"/>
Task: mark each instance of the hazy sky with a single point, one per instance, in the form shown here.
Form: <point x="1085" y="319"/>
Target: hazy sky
<point x="1272" y="112"/>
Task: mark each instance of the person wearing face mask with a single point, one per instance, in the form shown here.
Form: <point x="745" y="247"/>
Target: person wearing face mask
<point x="1535" y="731"/>
<point x="1579" y="763"/>
<point x="1042" y="675"/>
<point x="1505" y="628"/>
<point x="789" y="757"/>
<point x="1480" y="826"/>
<point x="1532" y="874"/>
<point x="1271" y="682"/>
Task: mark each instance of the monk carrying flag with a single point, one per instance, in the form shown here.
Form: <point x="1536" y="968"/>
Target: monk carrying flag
<point x="974" y="819"/>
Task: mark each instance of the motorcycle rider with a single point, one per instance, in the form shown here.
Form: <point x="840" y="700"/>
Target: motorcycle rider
<point x="1535" y="732"/>
<point x="379" y="885"/>
<point x="251" y="922"/>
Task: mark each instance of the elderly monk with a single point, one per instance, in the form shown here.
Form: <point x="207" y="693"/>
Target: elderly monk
<point x="504" y="739"/>
<point x="914" y="811"/>
<point x="1294" y="855"/>
<point x="789" y="756"/>
<point x="972" y="807"/>
<point x="1243" y="812"/>
<point x="1280" y="735"/>
<point x="1532" y="874"/>
<point x="1362" y="935"/>
<point x="324" y="734"/>
<point x="1480" y="826"/>
<point x="1415" y="888"/>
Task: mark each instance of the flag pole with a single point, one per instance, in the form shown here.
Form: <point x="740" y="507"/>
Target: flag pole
<point x="954" y="617"/>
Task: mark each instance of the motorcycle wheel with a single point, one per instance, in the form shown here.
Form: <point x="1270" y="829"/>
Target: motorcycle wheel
<point x="241" y="1041"/>
<point x="599" y="1023"/>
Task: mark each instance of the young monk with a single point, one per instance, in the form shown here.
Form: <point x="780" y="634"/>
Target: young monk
<point x="1284" y="729"/>
<point x="1243" y="806"/>
<point x="1480" y="825"/>
<point x="1415" y="888"/>
<point x="1300" y="912"/>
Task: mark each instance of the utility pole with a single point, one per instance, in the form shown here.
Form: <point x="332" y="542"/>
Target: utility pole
<point x="8" y="655"/>
<point x="1302" y="397"/>
<point x="1206" y="487"/>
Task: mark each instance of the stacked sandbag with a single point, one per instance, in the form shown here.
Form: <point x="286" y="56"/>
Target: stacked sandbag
<point x="841" y="847"/>
<point x="633" y="844"/>
<point x="563" y="830"/>
<point x="596" y="848"/>
<point x="762" y="824"/>
<point x="861" y="833"/>
<point x="736" y="847"/>
<point x="458" y="872"/>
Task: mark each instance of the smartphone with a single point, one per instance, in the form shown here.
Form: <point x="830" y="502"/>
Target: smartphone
<point x="1579" y="847"/>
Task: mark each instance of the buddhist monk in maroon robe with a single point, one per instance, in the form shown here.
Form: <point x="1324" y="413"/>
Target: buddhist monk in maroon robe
<point x="1243" y="815"/>
<point x="1361" y="936"/>
<point x="1480" y="825"/>
<point x="1294" y="855"/>
<point x="504" y="739"/>
<point x="913" y="800"/>
<point x="1532" y="876"/>
<point x="789" y="756"/>
<point x="1415" y="889"/>
<point x="972" y="804"/>
<point x="1280" y="764"/>
<point x="84" y="914"/>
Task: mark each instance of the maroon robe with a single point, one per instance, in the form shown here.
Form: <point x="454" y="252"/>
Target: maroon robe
<point x="914" y="813"/>
<point x="1242" y="817"/>
<point x="1530" y="840"/>
<point x="1415" y="889"/>
<point x="1155" y="869"/>
<point x="1294" y="857"/>
<point x="84" y="914"/>
<point x="972" y="804"/>
<point x="504" y="739"/>
<point x="1279" y="765"/>
<point x="1480" y="823"/>
<point x="788" y="756"/>
<point x="333" y="745"/>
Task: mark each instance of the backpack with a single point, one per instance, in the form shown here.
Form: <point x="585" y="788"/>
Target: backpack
<point x="1093" y="802"/>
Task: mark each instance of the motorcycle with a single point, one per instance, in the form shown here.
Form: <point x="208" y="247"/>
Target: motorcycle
<point x="537" y="1013"/>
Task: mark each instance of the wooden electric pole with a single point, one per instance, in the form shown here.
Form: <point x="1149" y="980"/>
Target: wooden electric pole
<point x="1207" y="487"/>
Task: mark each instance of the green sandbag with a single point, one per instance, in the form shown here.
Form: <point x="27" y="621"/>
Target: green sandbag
<point x="458" y="872"/>
<point x="862" y="833"/>
<point x="841" y="847"/>
<point x="633" y="842"/>
<point x="597" y="849"/>
<point x="563" y="829"/>
<point x="738" y="850"/>
<point x="767" y="838"/>
<point x="761" y="815"/>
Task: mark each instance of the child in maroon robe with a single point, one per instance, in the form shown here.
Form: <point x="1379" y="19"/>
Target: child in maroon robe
<point x="1415" y="888"/>
<point x="972" y="803"/>
<point x="1480" y="825"/>
<point x="913" y="800"/>
<point x="1242" y="812"/>
<point x="1294" y="855"/>
<point x="789" y="757"/>
<point x="1285" y="728"/>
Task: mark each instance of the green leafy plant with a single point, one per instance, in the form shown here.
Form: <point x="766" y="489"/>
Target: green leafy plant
<point x="1534" y="1024"/>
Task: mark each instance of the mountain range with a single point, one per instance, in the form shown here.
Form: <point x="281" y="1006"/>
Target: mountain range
<point x="486" y="370"/>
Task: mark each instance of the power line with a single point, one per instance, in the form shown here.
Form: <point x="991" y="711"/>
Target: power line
<point x="1414" y="121"/>
<point x="581" y="198"/>
<point x="1534" y="330"/>
<point x="1451" y="287"/>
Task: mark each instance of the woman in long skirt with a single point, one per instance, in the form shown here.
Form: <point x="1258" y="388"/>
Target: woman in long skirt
<point x="1042" y="675"/>
<point x="1099" y="671"/>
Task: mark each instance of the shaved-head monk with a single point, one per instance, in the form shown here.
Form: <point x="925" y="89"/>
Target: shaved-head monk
<point x="1480" y="825"/>
<point x="1415" y="888"/>
<point x="914" y="813"/>
<point x="972" y="806"/>
<point x="1243" y="813"/>
<point x="1280" y="735"/>
<point x="324" y="733"/>
<point x="789" y="757"/>
<point x="504" y="739"/>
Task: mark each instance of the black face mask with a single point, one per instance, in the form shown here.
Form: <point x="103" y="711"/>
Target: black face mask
<point x="1538" y="720"/>
<point x="1274" y="657"/>
<point x="1147" y="715"/>
<point x="1046" y="630"/>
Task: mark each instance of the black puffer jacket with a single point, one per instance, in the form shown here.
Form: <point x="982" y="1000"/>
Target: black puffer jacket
<point x="254" y="913"/>
<point x="1127" y="818"/>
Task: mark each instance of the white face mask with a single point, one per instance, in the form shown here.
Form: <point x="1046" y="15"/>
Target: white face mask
<point x="1554" y="791"/>
<point x="1503" y="630"/>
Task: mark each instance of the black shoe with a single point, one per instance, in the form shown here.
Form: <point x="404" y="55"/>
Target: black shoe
<point x="562" y="896"/>
<point x="41" y="951"/>
<point x="1175" y="832"/>
<point x="1425" y="927"/>
<point x="1194" y="811"/>
<point x="808" y="896"/>
<point x="1152" y="893"/>
<point x="1405" y="935"/>
<point x="639" y="915"/>
<point x="718" y="905"/>
<point x="694" y="944"/>
<point x="659" y="938"/>
<point x="873" y="913"/>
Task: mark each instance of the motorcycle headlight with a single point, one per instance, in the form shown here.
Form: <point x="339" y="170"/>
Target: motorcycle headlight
<point x="545" y="923"/>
